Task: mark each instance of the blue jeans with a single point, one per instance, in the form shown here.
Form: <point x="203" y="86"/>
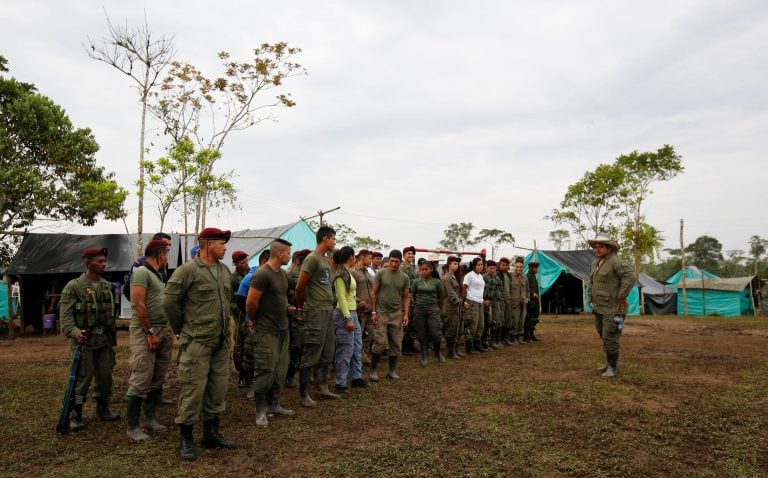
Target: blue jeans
<point x="349" y="349"/>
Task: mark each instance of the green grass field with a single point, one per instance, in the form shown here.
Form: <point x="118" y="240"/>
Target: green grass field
<point x="690" y="400"/>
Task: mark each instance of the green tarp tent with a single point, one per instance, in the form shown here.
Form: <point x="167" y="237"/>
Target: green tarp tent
<point x="254" y="241"/>
<point x="691" y="272"/>
<point x="564" y="279"/>
<point x="715" y="296"/>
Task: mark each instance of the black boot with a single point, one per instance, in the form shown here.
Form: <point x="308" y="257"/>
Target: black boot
<point x="452" y="352"/>
<point x="76" y="418"/>
<point x="162" y="400"/>
<point x="304" y="376"/>
<point x="246" y="378"/>
<point x="148" y="416"/>
<point x="471" y="348"/>
<point x="533" y="335"/>
<point x="134" y="409"/>
<point x="186" y="443"/>
<point x="103" y="412"/>
<point x="438" y="355"/>
<point x="290" y="377"/>
<point x="261" y="411"/>
<point x="424" y="358"/>
<point x="211" y="437"/>
<point x="497" y="339"/>
<point x="613" y="365"/>
<point x="479" y="345"/>
<point x="374" y="363"/>
<point x="457" y="348"/>
<point x="393" y="368"/>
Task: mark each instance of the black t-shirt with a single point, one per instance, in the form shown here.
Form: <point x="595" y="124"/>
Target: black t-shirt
<point x="272" y="316"/>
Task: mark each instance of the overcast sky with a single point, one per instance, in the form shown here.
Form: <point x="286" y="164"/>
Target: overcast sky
<point x="415" y="115"/>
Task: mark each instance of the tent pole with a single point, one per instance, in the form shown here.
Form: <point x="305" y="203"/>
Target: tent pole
<point x="752" y="297"/>
<point x="682" y="270"/>
<point x="536" y="259"/>
<point x="584" y="301"/>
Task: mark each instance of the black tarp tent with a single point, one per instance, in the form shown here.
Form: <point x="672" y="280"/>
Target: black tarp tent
<point x="658" y="299"/>
<point x="44" y="263"/>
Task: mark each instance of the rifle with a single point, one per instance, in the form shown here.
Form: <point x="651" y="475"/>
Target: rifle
<point x="62" y="426"/>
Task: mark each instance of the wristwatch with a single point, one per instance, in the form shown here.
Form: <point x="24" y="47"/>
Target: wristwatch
<point x="151" y="331"/>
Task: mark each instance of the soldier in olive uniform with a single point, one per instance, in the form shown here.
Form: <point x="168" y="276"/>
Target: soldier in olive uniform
<point x="87" y="308"/>
<point x="451" y="308"/>
<point x="518" y="298"/>
<point x="295" y="326"/>
<point x="196" y="303"/>
<point x="364" y="281"/>
<point x="410" y="336"/>
<point x="532" y="316"/>
<point x="506" y="279"/>
<point x="610" y="281"/>
<point x="240" y="261"/>
<point x="494" y="294"/>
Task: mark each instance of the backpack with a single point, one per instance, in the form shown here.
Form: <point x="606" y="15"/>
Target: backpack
<point x="127" y="282"/>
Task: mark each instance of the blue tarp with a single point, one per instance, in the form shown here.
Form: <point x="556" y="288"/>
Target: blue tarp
<point x="4" y="302"/>
<point x="715" y="296"/>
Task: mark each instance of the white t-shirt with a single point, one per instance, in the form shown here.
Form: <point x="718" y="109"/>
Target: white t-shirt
<point x="475" y="286"/>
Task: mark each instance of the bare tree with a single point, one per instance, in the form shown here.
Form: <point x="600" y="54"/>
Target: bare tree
<point x="139" y="54"/>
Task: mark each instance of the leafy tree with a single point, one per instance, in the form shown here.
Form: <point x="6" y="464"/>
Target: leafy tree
<point x="706" y="252"/>
<point x="591" y="206"/>
<point x="181" y="175"/>
<point x="48" y="169"/>
<point x="206" y="110"/>
<point x="345" y="235"/>
<point x="367" y="242"/>
<point x="140" y="55"/>
<point x="560" y="237"/>
<point x="458" y="236"/>
<point x="757" y="249"/>
<point x="495" y="237"/>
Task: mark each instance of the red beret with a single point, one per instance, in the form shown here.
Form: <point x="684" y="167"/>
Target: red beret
<point x="214" y="234"/>
<point x="156" y="244"/>
<point x="490" y="263"/>
<point x="533" y="264"/>
<point x="452" y="259"/>
<point x="409" y="248"/>
<point x="363" y="252"/>
<point x="238" y="256"/>
<point x="303" y="253"/>
<point x="377" y="254"/>
<point x="94" y="251"/>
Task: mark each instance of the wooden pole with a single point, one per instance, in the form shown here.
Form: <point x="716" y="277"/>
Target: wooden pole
<point x="682" y="269"/>
<point x="752" y="297"/>
<point x="11" y="332"/>
<point x="536" y="259"/>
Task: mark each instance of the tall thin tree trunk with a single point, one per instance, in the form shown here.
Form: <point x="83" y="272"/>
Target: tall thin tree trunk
<point x="140" y="226"/>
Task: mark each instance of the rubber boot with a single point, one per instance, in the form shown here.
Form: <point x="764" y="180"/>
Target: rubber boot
<point x="290" y="377"/>
<point x="148" y="416"/>
<point x="452" y="349"/>
<point x="480" y="346"/>
<point x="273" y="405"/>
<point x="533" y="335"/>
<point x="505" y="335"/>
<point x="134" y="409"/>
<point x="211" y="437"/>
<point x="521" y="340"/>
<point x="261" y="411"/>
<point x="374" y="363"/>
<point x="162" y="400"/>
<point x="393" y="368"/>
<point x="187" y="442"/>
<point x="457" y="349"/>
<point x="246" y="378"/>
<point x="438" y="355"/>
<point x="304" y="376"/>
<point x="424" y="357"/>
<point x="76" y="418"/>
<point x="613" y="366"/>
<point x="497" y="339"/>
<point x="103" y="411"/>
<point x="471" y="348"/>
<point x="322" y="385"/>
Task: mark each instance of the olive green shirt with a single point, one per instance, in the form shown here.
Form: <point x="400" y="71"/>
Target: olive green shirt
<point x="389" y="299"/>
<point x="196" y="302"/>
<point x="272" y="314"/>
<point x="148" y="279"/>
<point x="319" y="294"/>
<point x="97" y="299"/>
<point x="609" y="283"/>
<point x="426" y="294"/>
<point x="494" y="288"/>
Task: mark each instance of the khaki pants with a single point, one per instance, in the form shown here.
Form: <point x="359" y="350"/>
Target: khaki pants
<point x="607" y="330"/>
<point x="451" y="322"/>
<point x="148" y="368"/>
<point x="95" y="364"/>
<point x="388" y="334"/>
<point x="473" y="321"/>
<point x="319" y="338"/>
<point x="204" y="379"/>
<point x="270" y="362"/>
<point x="518" y="318"/>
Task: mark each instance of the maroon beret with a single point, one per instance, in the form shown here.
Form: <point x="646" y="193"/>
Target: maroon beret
<point x="377" y="254"/>
<point x="214" y="234"/>
<point x="156" y="244"/>
<point x="452" y="259"/>
<point x="303" y="253"/>
<point x="533" y="264"/>
<point x="409" y="248"/>
<point x="504" y="259"/>
<point x="238" y="256"/>
<point x="94" y="251"/>
<point x="363" y="252"/>
<point x="490" y="263"/>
